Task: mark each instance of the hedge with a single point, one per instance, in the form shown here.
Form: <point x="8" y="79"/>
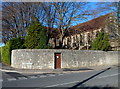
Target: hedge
<point x="0" y="54"/>
<point x="15" y="43"/>
<point x="6" y="54"/>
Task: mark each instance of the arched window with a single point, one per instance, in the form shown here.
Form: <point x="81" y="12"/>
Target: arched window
<point x="93" y="35"/>
<point x="97" y="33"/>
<point x="74" y="44"/>
<point x="102" y="29"/>
<point x="81" y="39"/>
<point x="77" y="39"/>
<point x="89" y="38"/>
<point x="68" y="41"/>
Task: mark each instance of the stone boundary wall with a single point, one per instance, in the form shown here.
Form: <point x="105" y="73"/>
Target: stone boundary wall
<point x="45" y="58"/>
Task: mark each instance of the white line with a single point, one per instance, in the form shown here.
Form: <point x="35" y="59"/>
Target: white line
<point x="43" y="76"/>
<point x="60" y="74"/>
<point x="109" y="75"/>
<point x="22" y="78"/>
<point x="8" y="70"/>
<point x="11" y="79"/>
<point x="62" y="84"/>
<point x="51" y="75"/>
<point x="1" y="80"/>
<point x="32" y="77"/>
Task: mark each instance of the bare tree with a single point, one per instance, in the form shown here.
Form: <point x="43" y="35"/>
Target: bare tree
<point x="67" y="14"/>
<point x="49" y="17"/>
<point x="63" y="15"/>
<point x="16" y="17"/>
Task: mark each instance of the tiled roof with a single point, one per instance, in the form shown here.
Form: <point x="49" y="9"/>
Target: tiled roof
<point x="54" y="32"/>
<point x="89" y="25"/>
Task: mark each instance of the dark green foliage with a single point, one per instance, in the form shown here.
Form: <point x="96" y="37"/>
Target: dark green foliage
<point x="6" y="54"/>
<point x="0" y="53"/>
<point x="15" y="43"/>
<point x="36" y="37"/>
<point x="101" y="42"/>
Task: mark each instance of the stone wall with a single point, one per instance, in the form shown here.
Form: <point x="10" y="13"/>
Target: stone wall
<point x="44" y="58"/>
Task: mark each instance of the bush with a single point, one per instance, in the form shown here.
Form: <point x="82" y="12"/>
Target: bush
<point x="6" y="55"/>
<point x="101" y="42"/>
<point x="15" y="43"/>
<point x="36" y="37"/>
<point x="0" y="54"/>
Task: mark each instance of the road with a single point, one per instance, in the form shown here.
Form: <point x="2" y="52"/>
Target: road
<point x="96" y="78"/>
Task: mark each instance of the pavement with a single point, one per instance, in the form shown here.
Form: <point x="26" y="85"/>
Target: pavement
<point x="8" y="68"/>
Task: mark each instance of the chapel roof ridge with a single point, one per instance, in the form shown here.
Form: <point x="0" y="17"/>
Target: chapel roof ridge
<point x="99" y="21"/>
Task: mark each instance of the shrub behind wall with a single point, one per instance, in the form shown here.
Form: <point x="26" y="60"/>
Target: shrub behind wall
<point x="6" y="54"/>
<point x="0" y="54"/>
<point x="101" y="42"/>
<point x="36" y="37"/>
<point x="15" y="43"/>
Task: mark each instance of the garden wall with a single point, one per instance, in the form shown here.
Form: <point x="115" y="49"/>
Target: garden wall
<point x="45" y="58"/>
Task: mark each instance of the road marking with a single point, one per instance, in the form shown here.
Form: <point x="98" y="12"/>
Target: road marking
<point x="1" y="80"/>
<point x="32" y="76"/>
<point x="11" y="79"/>
<point x="42" y="76"/>
<point x="62" y="84"/>
<point x="51" y="74"/>
<point x="8" y="70"/>
<point x="60" y="74"/>
<point x="109" y="75"/>
<point x="22" y="78"/>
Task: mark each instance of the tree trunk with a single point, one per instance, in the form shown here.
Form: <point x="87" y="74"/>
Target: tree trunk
<point x="61" y="41"/>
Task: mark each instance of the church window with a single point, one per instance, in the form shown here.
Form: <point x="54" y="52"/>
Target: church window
<point x="81" y="39"/>
<point x="89" y="38"/>
<point x="97" y="33"/>
<point x="74" y="44"/>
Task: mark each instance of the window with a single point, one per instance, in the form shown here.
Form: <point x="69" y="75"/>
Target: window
<point x="81" y="39"/>
<point x="89" y="38"/>
<point x="97" y="33"/>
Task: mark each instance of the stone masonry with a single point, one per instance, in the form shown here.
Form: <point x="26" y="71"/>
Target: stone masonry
<point x="45" y="58"/>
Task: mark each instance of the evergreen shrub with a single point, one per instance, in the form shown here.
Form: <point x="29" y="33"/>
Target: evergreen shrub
<point x="15" y="43"/>
<point x="36" y="37"/>
<point x="101" y="42"/>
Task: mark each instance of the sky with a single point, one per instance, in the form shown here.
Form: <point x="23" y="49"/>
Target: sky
<point x="2" y="44"/>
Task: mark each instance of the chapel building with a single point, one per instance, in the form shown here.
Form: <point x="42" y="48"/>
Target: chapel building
<point x="80" y="36"/>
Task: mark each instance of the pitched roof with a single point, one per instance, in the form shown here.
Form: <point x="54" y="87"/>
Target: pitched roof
<point x="86" y="26"/>
<point x="89" y="25"/>
<point x="54" y="32"/>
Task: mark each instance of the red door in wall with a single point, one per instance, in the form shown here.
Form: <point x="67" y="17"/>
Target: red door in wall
<point x="57" y="60"/>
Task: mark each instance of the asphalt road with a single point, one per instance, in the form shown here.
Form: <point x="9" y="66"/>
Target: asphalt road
<point x="96" y="78"/>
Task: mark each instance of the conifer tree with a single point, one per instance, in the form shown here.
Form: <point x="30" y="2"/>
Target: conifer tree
<point x="36" y="37"/>
<point x="101" y="42"/>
